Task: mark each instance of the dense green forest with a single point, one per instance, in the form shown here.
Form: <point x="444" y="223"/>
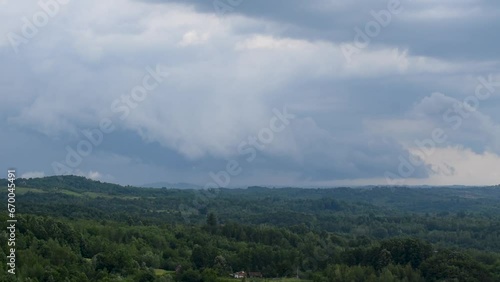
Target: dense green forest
<point x="74" y="229"/>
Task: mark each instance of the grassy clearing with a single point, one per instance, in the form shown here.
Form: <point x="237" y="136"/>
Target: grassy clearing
<point x="161" y="272"/>
<point x="91" y="195"/>
<point x="71" y="193"/>
<point x="263" y="280"/>
<point x="24" y="190"/>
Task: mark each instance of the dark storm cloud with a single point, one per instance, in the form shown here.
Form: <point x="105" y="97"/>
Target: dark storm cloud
<point x="354" y="120"/>
<point x="462" y="30"/>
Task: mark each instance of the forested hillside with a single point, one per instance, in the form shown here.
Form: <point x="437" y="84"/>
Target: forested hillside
<point x="74" y="229"/>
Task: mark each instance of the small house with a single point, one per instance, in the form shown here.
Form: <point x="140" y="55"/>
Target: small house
<point x="239" y="275"/>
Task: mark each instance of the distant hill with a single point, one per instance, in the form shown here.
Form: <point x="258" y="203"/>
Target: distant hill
<point x="81" y="183"/>
<point x="81" y="197"/>
<point x="68" y="182"/>
<point x="180" y="185"/>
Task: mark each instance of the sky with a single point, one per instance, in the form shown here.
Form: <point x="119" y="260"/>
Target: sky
<point x="233" y="93"/>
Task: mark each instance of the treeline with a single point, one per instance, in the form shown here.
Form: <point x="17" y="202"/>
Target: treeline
<point x="375" y="213"/>
<point x="74" y="229"/>
<point x="53" y="249"/>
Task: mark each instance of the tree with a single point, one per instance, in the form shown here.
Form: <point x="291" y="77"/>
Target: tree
<point x="384" y="259"/>
<point x="145" y="276"/>
<point x="190" y="275"/>
<point x="212" y="222"/>
<point x="209" y="275"/>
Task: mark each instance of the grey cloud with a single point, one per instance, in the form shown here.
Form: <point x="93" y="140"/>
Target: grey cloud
<point x="226" y="76"/>
<point x="469" y="33"/>
<point x="462" y="127"/>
